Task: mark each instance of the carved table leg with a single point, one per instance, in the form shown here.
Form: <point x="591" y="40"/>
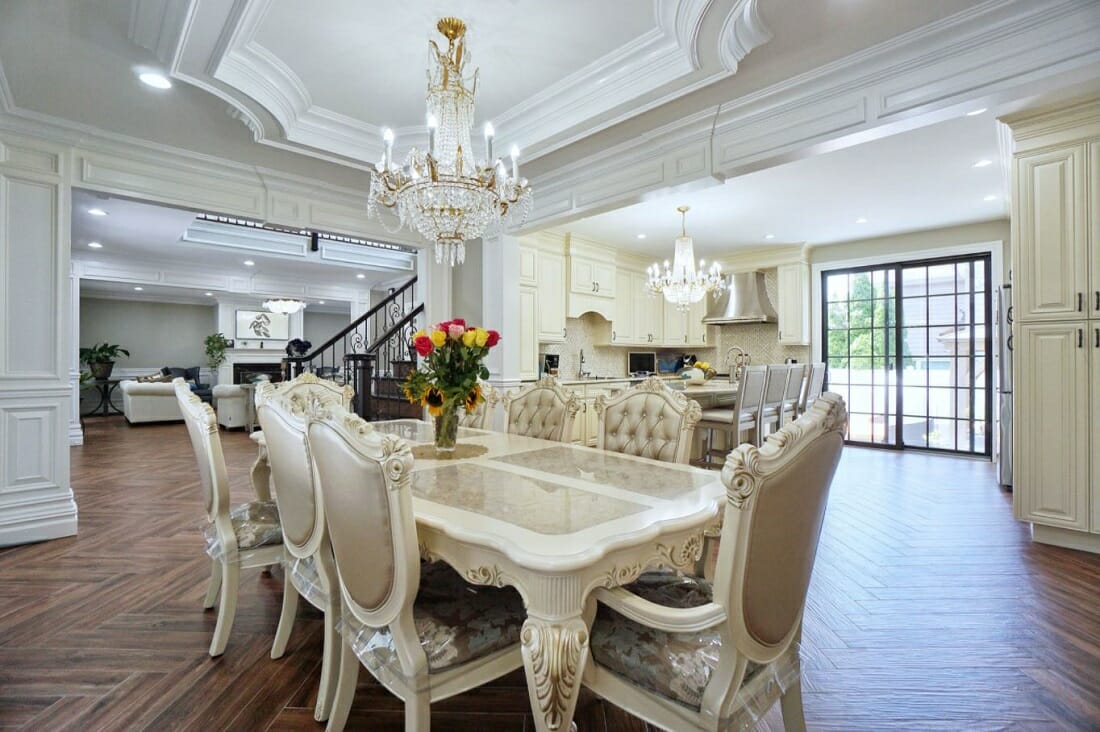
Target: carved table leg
<point x="554" y="654"/>
<point x="261" y="475"/>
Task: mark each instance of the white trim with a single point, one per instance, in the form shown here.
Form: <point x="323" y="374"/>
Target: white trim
<point x="743" y="30"/>
<point x="1067" y="538"/>
<point x="994" y="248"/>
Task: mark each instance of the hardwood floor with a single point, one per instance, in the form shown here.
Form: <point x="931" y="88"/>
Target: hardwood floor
<point x="929" y="609"/>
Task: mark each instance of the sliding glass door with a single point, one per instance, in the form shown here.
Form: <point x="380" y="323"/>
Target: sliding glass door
<point x="908" y="347"/>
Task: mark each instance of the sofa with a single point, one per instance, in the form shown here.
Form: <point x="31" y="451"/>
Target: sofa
<point x="233" y="404"/>
<point x="150" y="402"/>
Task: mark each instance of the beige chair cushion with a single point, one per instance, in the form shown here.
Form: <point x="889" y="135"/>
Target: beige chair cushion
<point x="457" y="622"/>
<point x="255" y="524"/>
<point x="539" y="413"/>
<point x="646" y="425"/>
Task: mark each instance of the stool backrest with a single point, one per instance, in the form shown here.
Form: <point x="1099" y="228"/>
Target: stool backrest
<point x="750" y="390"/>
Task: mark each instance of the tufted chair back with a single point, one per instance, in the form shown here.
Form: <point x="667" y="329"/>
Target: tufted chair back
<point x="649" y="420"/>
<point x="202" y="428"/>
<point x="543" y="409"/>
<point x="303" y="389"/>
<point x="481" y="417"/>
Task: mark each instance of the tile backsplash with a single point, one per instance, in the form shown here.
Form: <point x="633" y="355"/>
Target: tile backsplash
<point x="760" y="340"/>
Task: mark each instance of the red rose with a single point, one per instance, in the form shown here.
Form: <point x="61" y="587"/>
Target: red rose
<point x="494" y="338"/>
<point x="423" y="345"/>
<point x="459" y="321"/>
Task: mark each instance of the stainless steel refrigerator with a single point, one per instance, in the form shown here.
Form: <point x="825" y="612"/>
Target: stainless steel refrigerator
<point x="1004" y="383"/>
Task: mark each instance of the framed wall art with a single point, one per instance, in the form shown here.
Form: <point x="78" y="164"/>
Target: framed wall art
<point x="261" y="325"/>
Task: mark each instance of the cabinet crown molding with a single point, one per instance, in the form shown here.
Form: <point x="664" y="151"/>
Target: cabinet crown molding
<point x="1060" y="124"/>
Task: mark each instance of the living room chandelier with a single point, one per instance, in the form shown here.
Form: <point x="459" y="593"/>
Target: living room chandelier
<point x="680" y="283"/>
<point x="443" y="192"/>
<point x="284" y="305"/>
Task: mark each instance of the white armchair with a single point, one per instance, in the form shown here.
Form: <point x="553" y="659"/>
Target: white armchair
<point x="231" y="403"/>
<point x="649" y="420"/>
<point x="683" y="654"/>
<point x="150" y="402"/>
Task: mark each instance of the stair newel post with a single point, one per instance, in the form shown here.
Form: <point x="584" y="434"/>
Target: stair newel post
<point x="360" y="367"/>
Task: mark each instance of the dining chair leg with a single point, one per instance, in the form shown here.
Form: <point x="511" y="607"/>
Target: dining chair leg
<point x="418" y="712"/>
<point x="227" y="608"/>
<point x="286" y="618"/>
<point x="215" y="585"/>
<point x="794" y="719"/>
<point x="330" y="662"/>
<point x="345" y="688"/>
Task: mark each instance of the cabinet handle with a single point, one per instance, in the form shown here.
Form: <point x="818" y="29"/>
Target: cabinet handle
<point x="1080" y="338"/>
<point x="1080" y="301"/>
<point x="1098" y="337"/>
<point x="1098" y="299"/>
<point x="704" y="337"/>
<point x="597" y="287"/>
<point x="563" y="332"/>
<point x="613" y="336"/>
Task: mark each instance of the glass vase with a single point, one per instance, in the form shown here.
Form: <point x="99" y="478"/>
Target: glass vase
<point x="446" y="427"/>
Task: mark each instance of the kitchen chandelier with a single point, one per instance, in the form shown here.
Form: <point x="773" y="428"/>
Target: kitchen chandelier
<point x="443" y="192"/>
<point x="680" y="283"/>
<point x="284" y="305"/>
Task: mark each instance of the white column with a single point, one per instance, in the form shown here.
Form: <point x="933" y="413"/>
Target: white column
<point x="433" y="286"/>
<point x="36" y="394"/>
<point x="76" y="432"/>
<point x="500" y="309"/>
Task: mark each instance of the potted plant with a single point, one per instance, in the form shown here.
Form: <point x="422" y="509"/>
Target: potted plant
<point x="101" y="358"/>
<point x="216" y="345"/>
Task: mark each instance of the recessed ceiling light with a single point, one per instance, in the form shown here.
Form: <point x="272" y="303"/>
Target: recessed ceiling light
<point x="983" y="163"/>
<point x="209" y="294"/>
<point x="769" y="236"/>
<point x="155" y="80"/>
<point x="97" y="212"/>
<point x="975" y="112"/>
<point x="95" y="245"/>
<point x="249" y="263"/>
<point x="139" y="289"/>
<point x="990" y="197"/>
<point x="320" y="302"/>
<point x="360" y="276"/>
<point x="641" y="236"/>
<point x="861" y="220"/>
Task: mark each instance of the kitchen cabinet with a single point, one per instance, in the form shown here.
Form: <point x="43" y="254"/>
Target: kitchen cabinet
<point x="684" y="329"/>
<point x="793" y="307"/>
<point x="528" y="332"/>
<point x="551" y="296"/>
<point x="623" y="324"/>
<point x="592" y="277"/>
<point x="638" y="318"/>
<point x="1052" y="441"/>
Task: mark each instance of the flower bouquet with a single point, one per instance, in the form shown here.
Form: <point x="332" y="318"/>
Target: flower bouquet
<point x="452" y="354"/>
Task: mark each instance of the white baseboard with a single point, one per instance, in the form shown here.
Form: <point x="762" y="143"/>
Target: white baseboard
<point x="1066" y="538"/>
<point x="41" y="526"/>
<point x="76" y="434"/>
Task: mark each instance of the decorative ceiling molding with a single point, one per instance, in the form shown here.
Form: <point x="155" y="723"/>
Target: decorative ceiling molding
<point x="998" y="51"/>
<point x="743" y="30"/>
<point x="155" y="25"/>
<point x="7" y="103"/>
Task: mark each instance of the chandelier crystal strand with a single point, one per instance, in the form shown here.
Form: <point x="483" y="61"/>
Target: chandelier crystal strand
<point x="284" y="305"/>
<point x="680" y="282"/>
<point x="444" y="193"/>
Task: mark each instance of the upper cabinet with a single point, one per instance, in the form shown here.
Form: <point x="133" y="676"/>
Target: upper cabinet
<point x="1052" y="269"/>
<point x="793" y="307"/>
<point x="542" y="269"/>
<point x="591" y="286"/>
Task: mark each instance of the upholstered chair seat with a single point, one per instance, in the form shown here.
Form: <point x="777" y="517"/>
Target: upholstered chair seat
<point x="255" y="524"/>
<point x="543" y="409"/>
<point x="455" y="621"/>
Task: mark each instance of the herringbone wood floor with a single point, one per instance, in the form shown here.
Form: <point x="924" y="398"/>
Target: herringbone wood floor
<point x="929" y="609"/>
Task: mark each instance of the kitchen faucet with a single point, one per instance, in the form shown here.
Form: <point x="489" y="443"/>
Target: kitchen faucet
<point x="582" y="372"/>
<point x="736" y="362"/>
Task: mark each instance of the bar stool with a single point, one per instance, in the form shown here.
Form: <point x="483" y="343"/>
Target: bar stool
<point x="741" y="419"/>
<point x="792" y="394"/>
<point x="815" y="381"/>
<point x="775" y="386"/>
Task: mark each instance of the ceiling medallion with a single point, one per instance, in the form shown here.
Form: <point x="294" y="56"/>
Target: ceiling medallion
<point x="284" y="305"/>
<point x="443" y="192"/>
<point x="680" y="283"/>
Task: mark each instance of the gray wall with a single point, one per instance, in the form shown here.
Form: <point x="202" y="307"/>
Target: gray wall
<point x="319" y="327"/>
<point x="155" y="334"/>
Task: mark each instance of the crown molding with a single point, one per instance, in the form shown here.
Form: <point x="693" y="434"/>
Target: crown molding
<point x="743" y="30"/>
<point x="997" y="51"/>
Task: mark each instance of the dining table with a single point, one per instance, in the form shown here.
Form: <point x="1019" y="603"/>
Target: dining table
<point x="555" y="521"/>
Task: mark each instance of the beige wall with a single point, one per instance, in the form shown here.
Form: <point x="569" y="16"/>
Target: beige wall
<point x="156" y="334"/>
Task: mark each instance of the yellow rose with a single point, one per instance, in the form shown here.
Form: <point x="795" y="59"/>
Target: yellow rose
<point x="468" y="337"/>
<point x="438" y="338"/>
<point x="419" y="334"/>
<point x="481" y="338"/>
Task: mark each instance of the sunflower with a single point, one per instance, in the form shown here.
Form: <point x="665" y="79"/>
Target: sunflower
<point x="473" y="399"/>
<point x="433" y="399"/>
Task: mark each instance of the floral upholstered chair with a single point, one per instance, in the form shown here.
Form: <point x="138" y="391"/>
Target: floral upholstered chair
<point x="310" y="570"/>
<point x="649" y="420"/>
<point x="543" y="409"/>
<point x="684" y="654"/>
<point x="421" y="631"/>
<point x="239" y="538"/>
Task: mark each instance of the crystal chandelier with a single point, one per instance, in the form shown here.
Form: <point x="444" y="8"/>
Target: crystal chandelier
<point x="443" y="192"/>
<point x="680" y="283"/>
<point x="284" y="305"/>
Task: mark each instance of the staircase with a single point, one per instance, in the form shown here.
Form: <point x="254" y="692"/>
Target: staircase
<point x="374" y="354"/>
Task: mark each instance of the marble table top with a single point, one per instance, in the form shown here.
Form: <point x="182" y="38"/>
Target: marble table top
<point x="553" y="505"/>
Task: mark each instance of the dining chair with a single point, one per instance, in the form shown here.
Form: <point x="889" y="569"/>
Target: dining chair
<point x="542" y="409"/>
<point x="814" y="383"/>
<point x="737" y="422"/>
<point x="682" y="653"/>
<point x="481" y="417"/>
<point x="648" y="420"/>
<point x="243" y="537"/>
<point x="775" y="386"/>
<point x="310" y="571"/>
<point x="302" y="388"/>
<point x="424" y="634"/>
<point x="796" y="376"/>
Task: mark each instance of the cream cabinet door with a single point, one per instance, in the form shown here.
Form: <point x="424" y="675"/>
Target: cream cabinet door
<point x="604" y="275"/>
<point x="528" y="266"/>
<point x="1051" y="269"/>
<point x="528" y="333"/>
<point x="623" y="332"/>
<point x="697" y="331"/>
<point x="675" y="326"/>
<point x="1094" y="434"/>
<point x="793" y="294"/>
<point x="1051" y="424"/>
<point x="1094" y="228"/>
<point x="650" y="324"/>
<point x="582" y="276"/>
<point x="551" y="297"/>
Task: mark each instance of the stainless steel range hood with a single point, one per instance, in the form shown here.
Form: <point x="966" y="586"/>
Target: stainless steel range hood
<point x="745" y="300"/>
